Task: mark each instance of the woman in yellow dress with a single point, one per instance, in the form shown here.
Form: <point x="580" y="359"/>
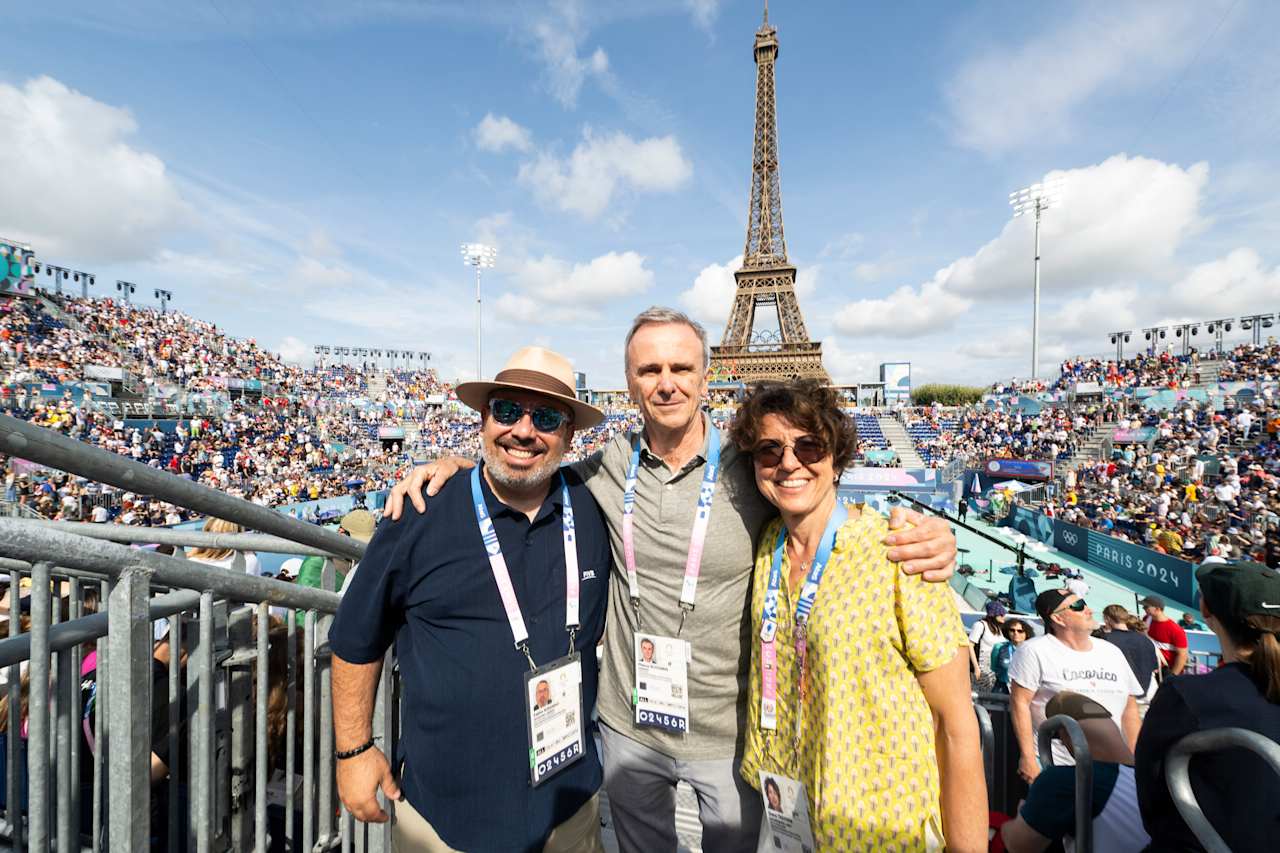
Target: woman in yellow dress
<point x="859" y="673"/>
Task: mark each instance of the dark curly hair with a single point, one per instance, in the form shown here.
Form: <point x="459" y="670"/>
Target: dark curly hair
<point x="805" y="404"/>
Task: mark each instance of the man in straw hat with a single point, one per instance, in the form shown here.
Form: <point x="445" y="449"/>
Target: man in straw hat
<point x="488" y="598"/>
<point x="683" y="514"/>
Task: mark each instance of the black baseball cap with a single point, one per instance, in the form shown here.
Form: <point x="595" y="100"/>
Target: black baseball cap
<point x="1048" y="602"/>
<point x="1233" y="591"/>
<point x="1153" y="601"/>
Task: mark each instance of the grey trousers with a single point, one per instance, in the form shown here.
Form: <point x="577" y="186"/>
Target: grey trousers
<point x="641" y="784"/>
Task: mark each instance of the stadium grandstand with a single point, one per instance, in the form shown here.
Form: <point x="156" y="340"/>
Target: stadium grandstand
<point x="1176" y="456"/>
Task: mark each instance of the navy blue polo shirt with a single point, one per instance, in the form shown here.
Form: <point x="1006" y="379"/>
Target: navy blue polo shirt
<point x="425" y="583"/>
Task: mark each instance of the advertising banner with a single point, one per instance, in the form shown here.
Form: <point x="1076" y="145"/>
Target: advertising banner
<point x="1084" y="388"/>
<point x="904" y="479"/>
<point x="1169" y="576"/>
<point x="104" y="372"/>
<point x="390" y="432"/>
<point x="1142" y="435"/>
<point x="897" y="382"/>
<point x="881" y="457"/>
<point x="1018" y="469"/>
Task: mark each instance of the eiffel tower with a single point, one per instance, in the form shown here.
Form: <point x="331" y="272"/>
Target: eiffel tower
<point x="766" y="278"/>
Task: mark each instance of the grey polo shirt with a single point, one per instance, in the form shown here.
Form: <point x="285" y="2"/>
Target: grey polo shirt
<point x="719" y="626"/>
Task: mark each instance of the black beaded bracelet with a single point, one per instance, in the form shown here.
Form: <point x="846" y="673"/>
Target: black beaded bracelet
<point x="352" y="753"/>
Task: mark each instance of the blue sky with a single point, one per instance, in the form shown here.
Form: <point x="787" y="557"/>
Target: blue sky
<point x="303" y="173"/>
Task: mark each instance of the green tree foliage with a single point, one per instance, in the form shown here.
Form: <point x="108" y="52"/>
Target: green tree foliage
<point x="947" y="395"/>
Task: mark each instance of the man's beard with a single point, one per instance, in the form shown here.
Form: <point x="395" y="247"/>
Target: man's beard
<point x="498" y="471"/>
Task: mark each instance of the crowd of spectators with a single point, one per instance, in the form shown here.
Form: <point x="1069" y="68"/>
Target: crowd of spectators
<point x="1207" y="484"/>
<point x="1158" y="370"/>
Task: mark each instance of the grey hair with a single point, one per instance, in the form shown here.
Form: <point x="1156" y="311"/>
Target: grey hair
<point x="660" y="315"/>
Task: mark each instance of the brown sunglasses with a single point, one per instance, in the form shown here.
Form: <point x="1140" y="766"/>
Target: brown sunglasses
<point x="807" y="449"/>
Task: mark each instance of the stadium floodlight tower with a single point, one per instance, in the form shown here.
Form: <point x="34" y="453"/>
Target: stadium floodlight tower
<point x="1217" y="328"/>
<point x="126" y="288"/>
<point x="1256" y="323"/>
<point x="1036" y="199"/>
<point x="480" y="256"/>
<point x="1120" y="339"/>
<point x="163" y="296"/>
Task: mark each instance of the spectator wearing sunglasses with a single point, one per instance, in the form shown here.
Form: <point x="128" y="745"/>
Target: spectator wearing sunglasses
<point x="1016" y="632"/>
<point x="455" y="588"/>
<point x="1067" y="657"/>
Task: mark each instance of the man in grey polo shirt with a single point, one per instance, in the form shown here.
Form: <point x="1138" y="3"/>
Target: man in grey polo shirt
<point x="666" y="360"/>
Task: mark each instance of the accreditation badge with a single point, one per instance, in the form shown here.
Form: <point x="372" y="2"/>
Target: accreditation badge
<point x="661" y="691"/>
<point x="786" y="814"/>
<point x="553" y="708"/>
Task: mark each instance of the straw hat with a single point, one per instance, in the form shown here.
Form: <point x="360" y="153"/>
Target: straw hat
<point x="540" y="371"/>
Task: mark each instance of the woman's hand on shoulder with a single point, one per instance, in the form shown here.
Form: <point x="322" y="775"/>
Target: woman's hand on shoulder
<point x="922" y="544"/>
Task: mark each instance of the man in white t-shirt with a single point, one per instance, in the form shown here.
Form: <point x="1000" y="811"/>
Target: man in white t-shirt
<point x="1066" y="657"/>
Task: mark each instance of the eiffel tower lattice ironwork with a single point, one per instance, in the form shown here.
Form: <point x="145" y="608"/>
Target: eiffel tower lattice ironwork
<point x="766" y="278"/>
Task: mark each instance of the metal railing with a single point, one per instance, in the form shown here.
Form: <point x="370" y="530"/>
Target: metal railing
<point x="1177" y="773"/>
<point x="1079" y="748"/>
<point x="247" y="732"/>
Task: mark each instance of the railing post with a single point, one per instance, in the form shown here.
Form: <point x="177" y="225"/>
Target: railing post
<point x="127" y="685"/>
<point x="1084" y="772"/>
<point x="260" y="729"/>
<point x="325" y="779"/>
<point x="12" y="812"/>
<point x="1177" y="775"/>
<point x="38" y="711"/>
<point x="239" y="686"/>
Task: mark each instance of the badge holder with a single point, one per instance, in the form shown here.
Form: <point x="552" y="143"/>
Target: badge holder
<point x="786" y="813"/>
<point x="553" y="717"/>
<point x="661" y="690"/>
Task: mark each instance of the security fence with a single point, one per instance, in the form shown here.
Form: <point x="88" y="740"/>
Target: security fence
<point x="178" y="705"/>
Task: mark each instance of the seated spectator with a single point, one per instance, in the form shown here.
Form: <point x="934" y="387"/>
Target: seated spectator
<point x="1235" y="788"/>
<point x="224" y="557"/>
<point x="1048" y="813"/>
<point x="1016" y="632"/>
<point x="1067" y="657"/>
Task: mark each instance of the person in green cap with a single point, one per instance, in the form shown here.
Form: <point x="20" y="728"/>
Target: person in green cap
<point x="1241" y="604"/>
<point x="358" y="524"/>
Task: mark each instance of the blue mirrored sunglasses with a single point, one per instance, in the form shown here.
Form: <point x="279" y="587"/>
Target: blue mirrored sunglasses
<point x="509" y="413"/>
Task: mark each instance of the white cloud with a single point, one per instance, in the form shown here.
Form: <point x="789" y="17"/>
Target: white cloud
<point x="848" y="366"/>
<point x="1103" y="310"/>
<point x="1009" y="97"/>
<point x="553" y="290"/>
<point x="600" y="165"/>
<point x="74" y="186"/>
<point x="1235" y="284"/>
<point x="711" y="297"/>
<point x="703" y="11"/>
<point x="908" y="312"/>
<point x="1121" y="219"/>
<point x="497" y="133"/>
<point x="557" y="37"/>
<point x="604" y="279"/>
<point x="294" y="351"/>
<point x="1014" y="344"/>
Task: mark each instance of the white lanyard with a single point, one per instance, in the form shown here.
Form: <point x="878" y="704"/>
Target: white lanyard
<point x="697" y="539"/>
<point x="503" y="578"/>
<point x="804" y="606"/>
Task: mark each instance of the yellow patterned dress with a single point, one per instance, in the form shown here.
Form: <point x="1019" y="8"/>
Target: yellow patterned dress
<point x="866" y="747"/>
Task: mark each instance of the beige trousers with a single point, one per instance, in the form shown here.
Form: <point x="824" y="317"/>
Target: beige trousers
<point x="411" y="833"/>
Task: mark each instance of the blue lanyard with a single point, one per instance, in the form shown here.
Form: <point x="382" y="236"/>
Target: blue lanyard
<point x="498" y="564"/>
<point x="809" y="592"/>
<point x="697" y="539"/>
